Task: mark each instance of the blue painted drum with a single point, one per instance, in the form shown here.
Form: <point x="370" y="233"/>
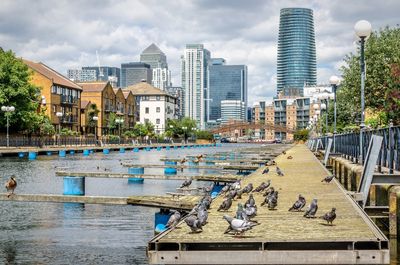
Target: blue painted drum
<point x="170" y="170"/>
<point x="106" y="151"/>
<point x="32" y="155"/>
<point x="74" y="186"/>
<point x="136" y="171"/>
<point x="86" y="152"/>
<point x="122" y="150"/>
<point x="62" y="153"/>
<point x="21" y="154"/>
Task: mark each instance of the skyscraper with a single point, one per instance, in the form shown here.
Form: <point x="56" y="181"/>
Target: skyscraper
<point x="194" y="81"/>
<point x="133" y="73"/>
<point x="296" y="49"/>
<point x="226" y="82"/>
<point x="157" y="60"/>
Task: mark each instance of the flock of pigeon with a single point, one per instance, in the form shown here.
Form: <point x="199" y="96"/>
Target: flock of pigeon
<point x="243" y="219"/>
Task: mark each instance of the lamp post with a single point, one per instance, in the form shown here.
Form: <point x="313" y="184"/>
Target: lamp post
<point x="334" y="81"/>
<point x="59" y="115"/>
<point x="8" y="110"/>
<point x="184" y="128"/>
<point x="316" y="109"/>
<point x="363" y="30"/>
<point x="95" y="118"/>
<point x="119" y="121"/>
<point x="325" y="109"/>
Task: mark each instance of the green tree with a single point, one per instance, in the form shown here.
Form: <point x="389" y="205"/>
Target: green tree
<point x="92" y="112"/>
<point x="140" y="130"/>
<point x="301" y="135"/>
<point x="111" y="124"/>
<point x="206" y="135"/>
<point x="16" y="90"/>
<point x="382" y="87"/>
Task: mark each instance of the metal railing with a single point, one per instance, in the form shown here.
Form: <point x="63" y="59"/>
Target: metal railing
<point x="348" y="145"/>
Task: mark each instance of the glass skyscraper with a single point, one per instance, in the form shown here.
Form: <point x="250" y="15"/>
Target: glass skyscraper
<point x="226" y="82"/>
<point x="296" y="50"/>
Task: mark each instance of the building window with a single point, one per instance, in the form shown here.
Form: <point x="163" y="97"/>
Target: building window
<point x="158" y="98"/>
<point x="157" y="121"/>
<point x="158" y="109"/>
<point x="147" y="110"/>
<point x="146" y="120"/>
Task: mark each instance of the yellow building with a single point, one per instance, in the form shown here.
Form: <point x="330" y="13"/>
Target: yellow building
<point x="85" y="129"/>
<point x="129" y="109"/>
<point x="60" y="96"/>
<point x="101" y="94"/>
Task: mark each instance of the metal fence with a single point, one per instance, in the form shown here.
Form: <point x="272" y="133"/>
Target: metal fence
<point x="348" y="145"/>
<point x="24" y="141"/>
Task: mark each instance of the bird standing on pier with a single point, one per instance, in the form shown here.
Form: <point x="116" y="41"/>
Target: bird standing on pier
<point x="173" y="219"/>
<point x="248" y="188"/>
<point x="10" y="185"/>
<point x="329" y="216"/>
<point x="299" y="204"/>
<point x="269" y="191"/>
<point x="194" y="223"/>
<point x="279" y="172"/>
<point x="200" y="157"/>
<point x="312" y="209"/>
<point x="225" y="205"/>
<point x="290" y="157"/>
<point x="284" y="152"/>
<point x="250" y="201"/>
<point x="186" y="183"/>
<point x="273" y="201"/>
<point x="183" y="161"/>
<point x="240" y="214"/>
<point x="265" y="171"/>
<point x="236" y="185"/>
<point x="202" y="215"/>
<point x="263" y="186"/>
<point x="237" y="225"/>
<point x="328" y="179"/>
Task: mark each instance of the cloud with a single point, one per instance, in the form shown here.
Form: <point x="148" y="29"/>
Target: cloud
<point x="66" y="34"/>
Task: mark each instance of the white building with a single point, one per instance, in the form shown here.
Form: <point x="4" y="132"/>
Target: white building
<point x="233" y="110"/>
<point x="153" y="105"/>
<point x="194" y="81"/>
<point x="161" y="78"/>
<point x="80" y="75"/>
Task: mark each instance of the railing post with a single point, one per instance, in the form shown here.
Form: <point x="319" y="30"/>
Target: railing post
<point x="390" y="145"/>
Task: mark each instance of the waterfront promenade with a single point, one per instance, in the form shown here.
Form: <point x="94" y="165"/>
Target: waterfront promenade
<point x="282" y="237"/>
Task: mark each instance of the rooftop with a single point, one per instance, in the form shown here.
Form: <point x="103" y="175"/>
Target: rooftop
<point x="93" y="86"/>
<point x="144" y="88"/>
<point x="152" y="49"/>
<point x="51" y="74"/>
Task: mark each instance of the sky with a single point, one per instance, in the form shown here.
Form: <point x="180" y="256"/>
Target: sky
<point x="66" y="34"/>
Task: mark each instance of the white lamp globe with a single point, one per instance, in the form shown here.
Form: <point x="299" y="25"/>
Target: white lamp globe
<point x="323" y="106"/>
<point x="316" y="106"/>
<point x="334" y="80"/>
<point x="363" y="28"/>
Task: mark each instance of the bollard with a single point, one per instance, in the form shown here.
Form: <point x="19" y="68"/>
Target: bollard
<point x="32" y="155"/>
<point x="160" y="220"/>
<point x="49" y="153"/>
<point x="62" y="153"/>
<point x="21" y="154"/>
<point x="170" y="170"/>
<point x="86" y="152"/>
<point x="71" y="152"/>
<point x="136" y="171"/>
<point x="122" y="150"/>
<point x="135" y="149"/>
<point x="106" y="151"/>
<point x="74" y="186"/>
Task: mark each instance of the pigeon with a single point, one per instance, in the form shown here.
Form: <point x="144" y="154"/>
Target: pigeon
<point x="225" y="189"/>
<point x="279" y="172"/>
<point x="240" y="214"/>
<point x="208" y="189"/>
<point x="250" y="211"/>
<point x="290" y="157"/>
<point x="248" y="188"/>
<point x="266" y="170"/>
<point x="231" y="193"/>
<point x="250" y="201"/>
<point x="328" y="179"/>
<point x="186" y="183"/>
<point x="194" y="223"/>
<point x="202" y="215"/>
<point x="173" y="219"/>
<point x="206" y="201"/>
<point x="199" y="157"/>
<point x="225" y="205"/>
<point x="329" y="216"/>
<point x="312" y="209"/>
<point x="10" y="185"/>
<point x="299" y="204"/>
<point x="183" y="161"/>
<point x="237" y="225"/>
<point x="269" y="191"/>
<point x="273" y="201"/>
<point x="263" y="186"/>
<point x="284" y="152"/>
<point x="236" y="185"/>
<point x="239" y="194"/>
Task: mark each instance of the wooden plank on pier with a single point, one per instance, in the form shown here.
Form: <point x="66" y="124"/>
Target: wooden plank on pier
<point x="249" y="161"/>
<point x="282" y="237"/>
<point x="226" y="167"/>
<point x="186" y="202"/>
<point x="216" y="178"/>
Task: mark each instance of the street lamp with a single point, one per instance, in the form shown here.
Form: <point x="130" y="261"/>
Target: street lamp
<point x="334" y="81"/>
<point x="184" y="133"/>
<point x="317" y="112"/>
<point x="363" y="30"/>
<point x="95" y="118"/>
<point x="8" y="110"/>
<point x="324" y="108"/>
<point x="59" y="115"/>
<point x="119" y="121"/>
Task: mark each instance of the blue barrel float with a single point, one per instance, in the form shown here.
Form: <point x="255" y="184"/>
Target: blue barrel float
<point x="86" y="152"/>
<point x="167" y="147"/>
<point x="175" y="147"/>
<point x="62" y="153"/>
<point x="21" y="154"/>
<point x="106" y="151"/>
<point x="136" y="171"/>
<point x="159" y="148"/>
<point x="122" y="150"/>
<point x="71" y="152"/>
<point x="32" y="155"/>
<point x="49" y="153"/>
<point x="74" y="186"/>
<point x="160" y="220"/>
<point x="170" y="170"/>
<point x="148" y="148"/>
<point x="91" y="151"/>
<point x="135" y="149"/>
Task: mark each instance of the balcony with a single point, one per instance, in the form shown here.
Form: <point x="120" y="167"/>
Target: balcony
<point x="69" y="119"/>
<point x="109" y="108"/>
<point x="65" y="99"/>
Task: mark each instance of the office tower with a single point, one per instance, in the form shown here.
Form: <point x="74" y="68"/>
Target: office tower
<point x="226" y="82"/>
<point x="232" y="110"/>
<point x="194" y="81"/>
<point x="179" y="93"/>
<point x="136" y="72"/>
<point x="105" y="74"/>
<point x="157" y="60"/>
<point x="296" y="49"/>
<point x="79" y="75"/>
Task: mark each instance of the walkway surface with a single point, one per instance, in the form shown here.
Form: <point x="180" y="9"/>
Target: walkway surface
<point x="282" y="237"/>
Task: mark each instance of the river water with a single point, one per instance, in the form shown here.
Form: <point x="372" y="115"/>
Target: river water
<point x="57" y="233"/>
